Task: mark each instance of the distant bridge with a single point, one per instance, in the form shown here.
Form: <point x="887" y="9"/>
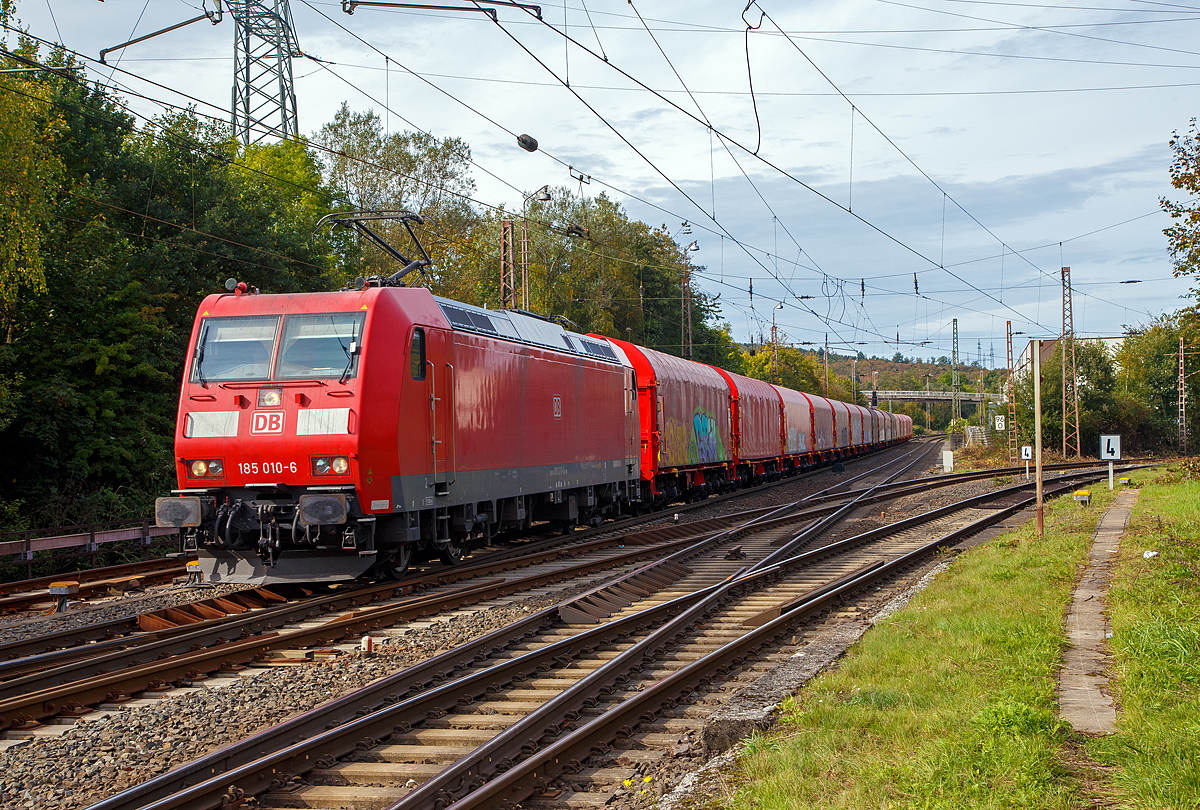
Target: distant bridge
<point x="934" y="396"/>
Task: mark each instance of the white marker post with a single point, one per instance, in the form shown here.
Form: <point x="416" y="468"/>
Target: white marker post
<point x="1026" y="455"/>
<point x="1110" y="450"/>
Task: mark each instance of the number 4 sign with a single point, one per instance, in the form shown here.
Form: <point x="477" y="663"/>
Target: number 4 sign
<point x="1110" y="448"/>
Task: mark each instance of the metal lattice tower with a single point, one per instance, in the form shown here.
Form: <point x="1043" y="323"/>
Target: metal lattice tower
<point x="1182" y="403"/>
<point x="508" y="291"/>
<point x="1070" y="392"/>
<point x="685" y="316"/>
<point x="264" y="44"/>
<point x="1012" y="403"/>
<point x="956" y="411"/>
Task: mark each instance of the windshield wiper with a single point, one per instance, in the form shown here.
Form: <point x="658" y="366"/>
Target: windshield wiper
<point x="200" y="356"/>
<point x="350" y="352"/>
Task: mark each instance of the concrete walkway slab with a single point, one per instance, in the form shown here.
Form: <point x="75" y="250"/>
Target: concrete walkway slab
<point x="1084" y="697"/>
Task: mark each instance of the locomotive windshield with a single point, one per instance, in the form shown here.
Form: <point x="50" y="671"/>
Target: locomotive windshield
<point x="317" y="346"/>
<point x="235" y="348"/>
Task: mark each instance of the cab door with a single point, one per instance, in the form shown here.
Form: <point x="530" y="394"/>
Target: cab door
<point x="440" y="374"/>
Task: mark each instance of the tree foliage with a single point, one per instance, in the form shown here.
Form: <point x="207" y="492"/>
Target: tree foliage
<point x="1148" y="381"/>
<point x="141" y="225"/>
<point x="136" y="224"/>
<point x="1183" y="238"/>
<point x="29" y="174"/>
<point x="1099" y="409"/>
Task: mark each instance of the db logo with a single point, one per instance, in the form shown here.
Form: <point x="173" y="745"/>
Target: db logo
<point x="558" y="407"/>
<point x="267" y="422"/>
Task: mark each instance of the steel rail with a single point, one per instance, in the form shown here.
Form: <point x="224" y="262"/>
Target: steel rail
<point x="19" y="706"/>
<point x="917" y="485"/>
<point x="525" y="736"/>
<point x="25" y="600"/>
<point x="566" y="754"/>
<point x="809" y="533"/>
<point x="250" y="777"/>
<point x="220" y="762"/>
<point x="93" y="574"/>
<point x="223" y="777"/>
<point x="49" y="649"/>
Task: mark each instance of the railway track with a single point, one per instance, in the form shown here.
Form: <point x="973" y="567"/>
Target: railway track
<point x="531" y="687"/>
<point x="143" y="661"/>
<point x="85" y="675"/>
<point x="127" y="662"/>
<point x="72" y="655"/>
<point x="28" y="594"/>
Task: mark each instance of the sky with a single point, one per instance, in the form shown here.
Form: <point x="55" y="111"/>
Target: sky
<point x="979" y="145"/>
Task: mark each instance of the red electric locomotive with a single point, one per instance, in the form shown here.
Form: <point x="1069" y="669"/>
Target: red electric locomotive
<point x="325" y="435"/>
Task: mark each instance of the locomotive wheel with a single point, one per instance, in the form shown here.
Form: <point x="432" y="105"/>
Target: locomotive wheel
<point x="453" y="552"/>
<point x="398" y="565"/>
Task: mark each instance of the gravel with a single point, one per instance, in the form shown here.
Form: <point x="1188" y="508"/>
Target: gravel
<point x="103" y="756"/>
<point x="98" y="758"/>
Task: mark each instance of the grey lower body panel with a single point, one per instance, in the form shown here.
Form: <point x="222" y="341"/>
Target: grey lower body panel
<point x="412" y="493"/>
<point x="246" y="568"/>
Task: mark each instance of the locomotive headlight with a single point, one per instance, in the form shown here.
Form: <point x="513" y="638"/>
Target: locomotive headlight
<point x="206" y="468"/>
<point x="330" y="465"/>
<point x="270" y="397"/>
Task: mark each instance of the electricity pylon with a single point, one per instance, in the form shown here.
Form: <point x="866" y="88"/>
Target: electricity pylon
<point x="264" y="44"/>
<point x="956" y="410"/>
<point x="1070" y="377"/>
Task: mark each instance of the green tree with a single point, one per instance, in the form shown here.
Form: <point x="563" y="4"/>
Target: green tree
<point x="413" y="171"/>
<point x="145" y="223"/>
<point x="1148" y="382"/>
<point x="797" y="369"/>
<point x="29" y="174"/>
<point x="1183" y="238"/>
<point x="1099" y="411"/>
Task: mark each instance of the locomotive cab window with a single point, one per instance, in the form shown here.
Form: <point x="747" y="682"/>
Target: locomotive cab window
<point x="235" y="348"/>
<point x="320" y="346"/>
<point x="416" y="355"/>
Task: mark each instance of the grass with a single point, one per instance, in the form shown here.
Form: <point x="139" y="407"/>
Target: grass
<point x="951" y="703"/>
<point x="1154" y="607"/>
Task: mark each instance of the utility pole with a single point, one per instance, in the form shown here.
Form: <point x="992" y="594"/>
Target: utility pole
<point x="685" y="303"/>
<point x="683" y="313"/>
<point x="775" y="347"/>
<point x="507" y="268"/>
<point x="264" y="45"/>
<point x="1012" y="402"/>
<point x="541" y="195"/>
<point x="956" y="411"/>
<point x="1070" y="394"/>
<point x="826" y="364"/>
<point x="927" y="378"/>
<point x="524" y="264"/>
<point x="1035" y="347"/>
<point x="982" y="403"/>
